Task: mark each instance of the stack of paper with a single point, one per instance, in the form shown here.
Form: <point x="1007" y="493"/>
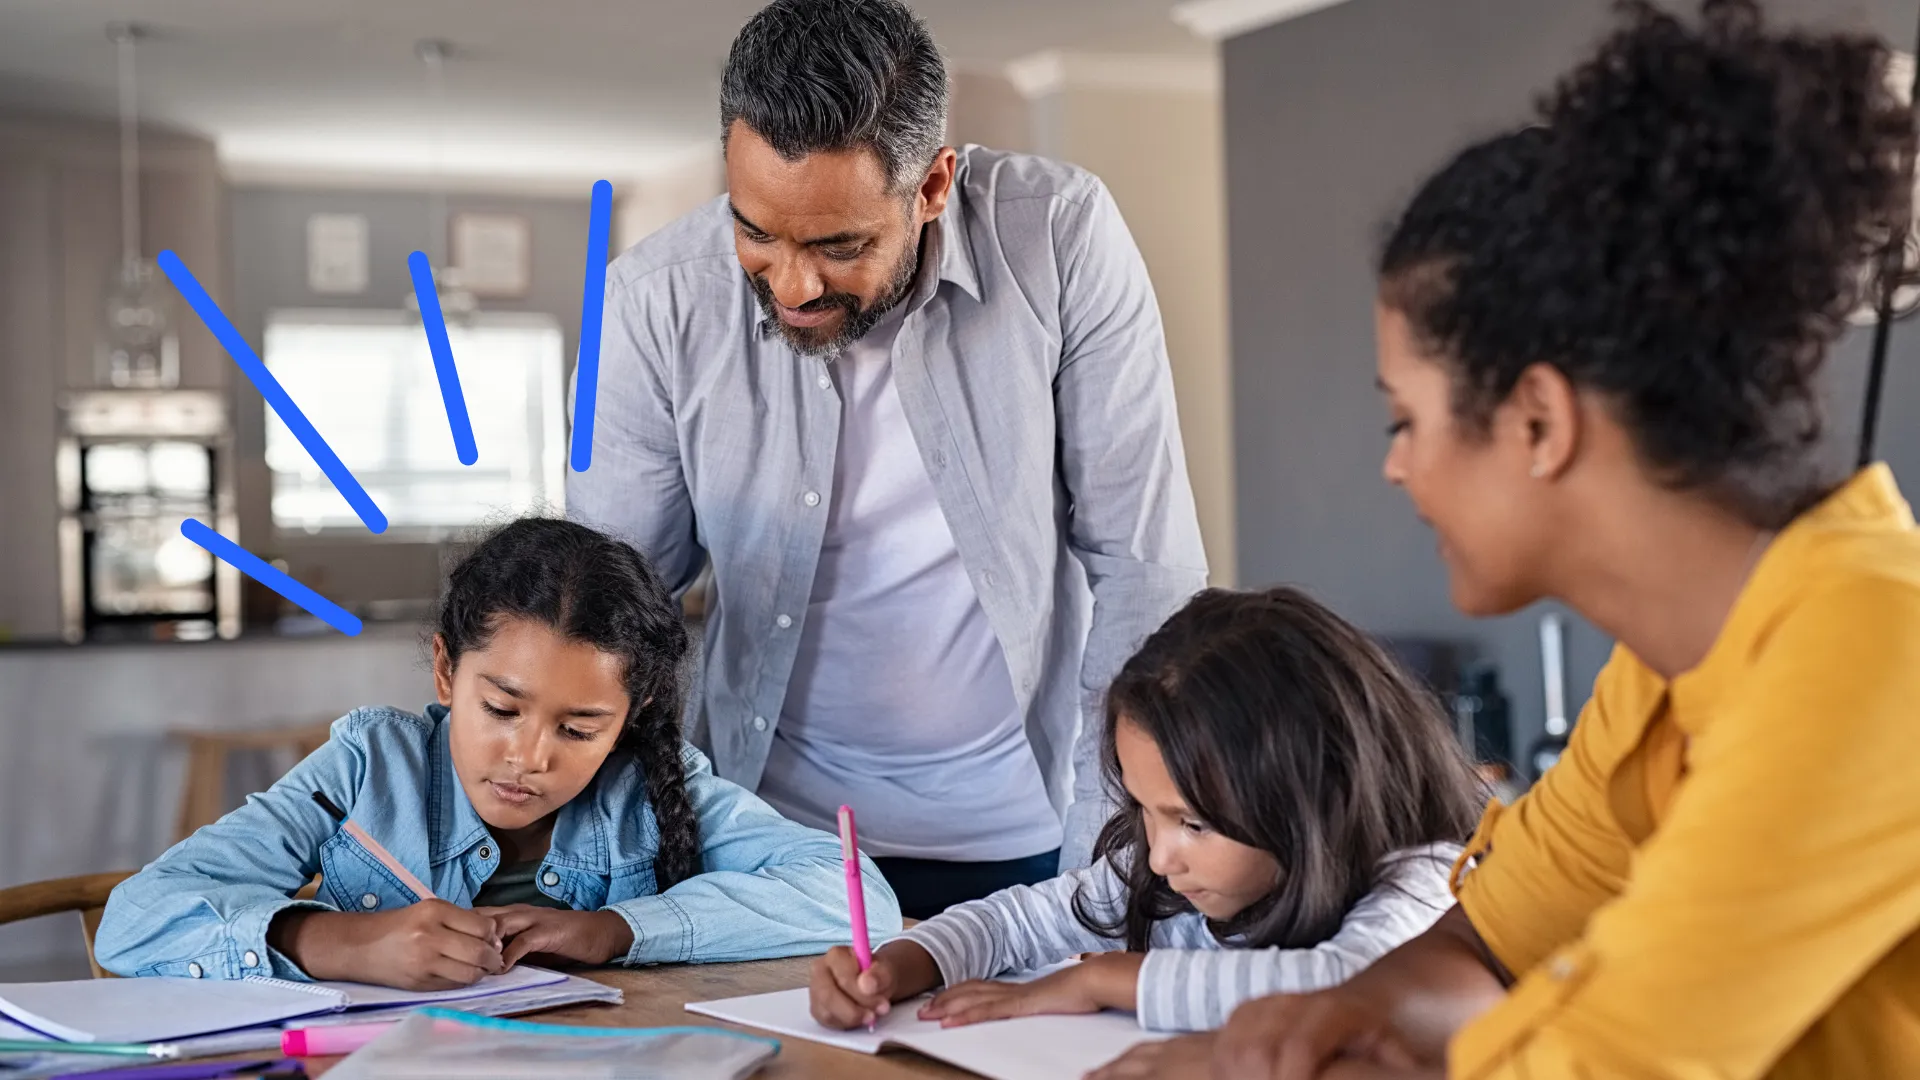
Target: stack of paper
<point x="202" y="1017"/>
<point x="155" y="1010"/>
<point x="572" y="990"/>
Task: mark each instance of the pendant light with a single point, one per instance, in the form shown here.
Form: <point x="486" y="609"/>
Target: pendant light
<point x="139" y="345"/>
<point x="457" y="305"/>
<point x="1899" y="294"/>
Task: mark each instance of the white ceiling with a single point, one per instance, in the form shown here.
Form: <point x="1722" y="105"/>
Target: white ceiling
<point x="540" y="88"/>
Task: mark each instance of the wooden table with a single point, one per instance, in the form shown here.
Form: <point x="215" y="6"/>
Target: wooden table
<point x="655" y="997"/>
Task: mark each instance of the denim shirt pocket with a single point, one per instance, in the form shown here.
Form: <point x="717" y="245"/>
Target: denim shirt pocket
<point x="635" y="879"/>
<point x="581" y="890"/>
<point x="355" y="880"/>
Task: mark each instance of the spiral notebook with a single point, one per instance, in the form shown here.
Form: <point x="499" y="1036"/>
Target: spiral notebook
<point x="161" y="1009"/>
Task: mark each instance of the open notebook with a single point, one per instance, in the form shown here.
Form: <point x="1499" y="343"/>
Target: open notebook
<point x="1025" y="1048"/>
<point x="162" y="1009"/>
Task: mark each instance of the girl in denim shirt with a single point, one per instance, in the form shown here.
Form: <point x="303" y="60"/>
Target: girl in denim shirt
<point x="546" y="799"/>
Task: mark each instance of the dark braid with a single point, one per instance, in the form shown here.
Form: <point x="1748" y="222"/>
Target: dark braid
<point x="592" y="588"/>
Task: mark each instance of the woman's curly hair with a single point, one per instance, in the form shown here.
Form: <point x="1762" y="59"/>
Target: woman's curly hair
<point x="1685" y="232"/>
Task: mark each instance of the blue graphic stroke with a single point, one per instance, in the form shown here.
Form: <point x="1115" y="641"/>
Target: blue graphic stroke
<point x="586" y="386"/>
<point x="264" y="572"/>
<point x="434" y="321"/>
<point x="270" y="388"/>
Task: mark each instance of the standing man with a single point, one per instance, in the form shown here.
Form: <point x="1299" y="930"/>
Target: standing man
<point x="914" y="405"/>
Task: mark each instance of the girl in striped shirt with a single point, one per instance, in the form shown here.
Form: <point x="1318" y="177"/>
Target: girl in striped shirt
<point x="1290" y="804"/>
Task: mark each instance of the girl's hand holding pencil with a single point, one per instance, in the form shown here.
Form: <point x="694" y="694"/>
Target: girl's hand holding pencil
<point x="432" y="945"/>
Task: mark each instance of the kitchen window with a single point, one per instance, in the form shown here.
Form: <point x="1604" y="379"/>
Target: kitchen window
<point x="366" y="381"/>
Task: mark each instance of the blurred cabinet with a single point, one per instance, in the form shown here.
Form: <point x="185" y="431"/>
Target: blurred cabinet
<point x="59" y="241"/>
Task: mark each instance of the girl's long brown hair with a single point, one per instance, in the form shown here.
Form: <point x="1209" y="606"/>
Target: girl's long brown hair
<point x="1288" y="730"/>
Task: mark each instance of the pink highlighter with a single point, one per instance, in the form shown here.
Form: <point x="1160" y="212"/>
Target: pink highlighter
<point x="330" y="1040"/>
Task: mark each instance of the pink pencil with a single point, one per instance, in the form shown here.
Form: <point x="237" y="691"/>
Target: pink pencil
<point x="375" y="849"/>
<point x="387" y="860"/>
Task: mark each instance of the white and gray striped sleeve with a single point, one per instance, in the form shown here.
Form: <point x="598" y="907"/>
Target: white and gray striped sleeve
<point x="1197" y="989"/>
<point x="1023" y="927"/>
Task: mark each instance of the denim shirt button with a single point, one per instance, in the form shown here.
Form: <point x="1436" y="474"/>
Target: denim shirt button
<point x="485" y="853"/>
<point x="195" y="971"/>
<point x="759" y="723"/>
<point x="251" y="960"/>
<point x="550" y="879"/>
<point x="369" y="901"/>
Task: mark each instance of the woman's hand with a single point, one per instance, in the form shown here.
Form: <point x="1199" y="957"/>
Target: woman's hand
<point x="580" y="937"/>
<point x="1301" y="1036"/>
<point x="432" y="945"/>
<point x="1189" y="1057"/>
<point x="1195" y="1057"/>
<point x="1394" y="1019"/>
<point x="843" y="997"/>
<point x="1101" y="981"/>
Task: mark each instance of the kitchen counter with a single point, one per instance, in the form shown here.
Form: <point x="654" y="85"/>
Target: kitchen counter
<point x="285" y="630"/>
<point x="90" y="779"/>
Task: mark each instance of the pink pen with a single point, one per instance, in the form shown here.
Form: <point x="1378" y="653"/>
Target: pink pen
<point x="856" y="894"/>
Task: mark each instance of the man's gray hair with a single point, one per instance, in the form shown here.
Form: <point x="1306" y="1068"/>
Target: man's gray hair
<point x="814" y="75"/>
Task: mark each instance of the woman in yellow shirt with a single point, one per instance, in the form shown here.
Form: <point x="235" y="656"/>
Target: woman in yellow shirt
<point x="1600" y="340"/>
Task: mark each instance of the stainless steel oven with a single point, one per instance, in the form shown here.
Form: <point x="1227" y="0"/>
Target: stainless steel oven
<point x="131" y="465"/>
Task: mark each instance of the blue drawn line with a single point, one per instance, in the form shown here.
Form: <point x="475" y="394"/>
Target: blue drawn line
<point x="586" y="384"/>
<point x="271" y="389"/>
<point x="435" y="323"/>
<point x="263" y="572"/>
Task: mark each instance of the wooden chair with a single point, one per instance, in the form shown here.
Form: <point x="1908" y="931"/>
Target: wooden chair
<point x="86" y="894"/>
<point x="204" y="797"/>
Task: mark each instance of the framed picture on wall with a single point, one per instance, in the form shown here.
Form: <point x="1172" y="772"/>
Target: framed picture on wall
<point x="493" y="252"/>
<point x="337" y="253"/>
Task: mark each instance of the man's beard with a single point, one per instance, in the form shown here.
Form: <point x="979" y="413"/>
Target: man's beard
<point x="808" y="340"/>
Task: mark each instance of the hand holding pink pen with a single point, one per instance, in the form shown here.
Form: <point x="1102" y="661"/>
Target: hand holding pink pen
<point x="850" y="987"/>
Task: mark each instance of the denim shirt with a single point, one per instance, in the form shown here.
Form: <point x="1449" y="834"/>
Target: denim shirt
<point x="769" y="888"/>
<point x="1033" y="372"/>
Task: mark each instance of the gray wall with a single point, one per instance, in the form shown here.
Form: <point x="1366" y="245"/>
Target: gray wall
<point x="986" y="109"/>
<point x="1332" y="120"/>
<point x="269" y="271"/>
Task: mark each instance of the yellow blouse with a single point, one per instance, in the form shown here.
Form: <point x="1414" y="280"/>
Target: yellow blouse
<point x="1721" y="878"/>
